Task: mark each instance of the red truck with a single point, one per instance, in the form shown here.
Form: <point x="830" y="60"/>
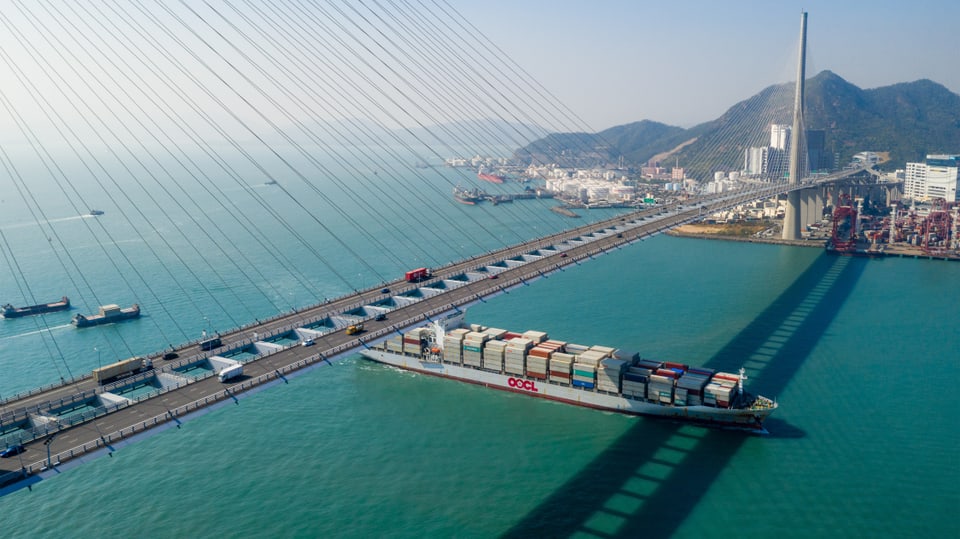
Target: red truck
<point x="417" y="275"/>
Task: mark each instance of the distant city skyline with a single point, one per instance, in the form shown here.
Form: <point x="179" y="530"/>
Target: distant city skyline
<point x="683" y="63"/>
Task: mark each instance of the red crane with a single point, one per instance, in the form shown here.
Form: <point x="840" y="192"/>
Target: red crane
<point x="844" y="237"/>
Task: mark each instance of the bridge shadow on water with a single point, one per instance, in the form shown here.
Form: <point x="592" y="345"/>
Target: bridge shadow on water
<point x="654" y="475"/>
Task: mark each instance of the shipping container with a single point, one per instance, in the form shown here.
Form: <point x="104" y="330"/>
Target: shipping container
<point x="583" y="384"/>
<point x="576" y="348"/>
<point x="649" y="364"/>
<point x="535" y="336"/>
<point x="606" y="351"/>
<point x="495" y="333"/>
<point x="667" y="373"/>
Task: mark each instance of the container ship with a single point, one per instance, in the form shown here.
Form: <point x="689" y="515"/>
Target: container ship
<point x="592" y="376"/>
<point x="9" y="311"/>
<point x="492" y="178"/>
<point x="107" y="314"/>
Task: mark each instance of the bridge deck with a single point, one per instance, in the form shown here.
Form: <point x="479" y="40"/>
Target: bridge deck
<point x="161" y="407"/>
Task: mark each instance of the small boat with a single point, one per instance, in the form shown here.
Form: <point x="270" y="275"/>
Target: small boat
<point x="96" y="212"/>
<point x="470" y="197"/>
<point x="9" y="311"/>
<point x="108" y="314"/>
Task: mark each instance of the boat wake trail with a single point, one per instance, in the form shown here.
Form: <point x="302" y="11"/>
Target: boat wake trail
<point x="48" y="221"/>
<point x="34" y="332"/>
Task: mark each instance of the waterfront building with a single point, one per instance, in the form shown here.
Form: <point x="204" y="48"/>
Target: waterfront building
<point x="938" y="177"/>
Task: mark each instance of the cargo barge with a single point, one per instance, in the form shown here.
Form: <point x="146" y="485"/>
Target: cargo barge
<point x="592" y="376"/>
<point x="107" y="315"/>
<point x="9" y="311"/>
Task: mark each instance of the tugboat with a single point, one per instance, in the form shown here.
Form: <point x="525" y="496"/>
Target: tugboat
<point x="9" y="311"/>
<point x="108" y="314"/>
<point x="470" y="197"/>
<point x="96" y="212"/>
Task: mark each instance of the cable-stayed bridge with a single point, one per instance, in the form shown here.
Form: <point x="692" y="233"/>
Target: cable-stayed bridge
<point x="247" y="151"/>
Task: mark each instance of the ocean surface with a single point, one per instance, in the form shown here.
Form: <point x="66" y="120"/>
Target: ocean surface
<point x="860" y="354"/>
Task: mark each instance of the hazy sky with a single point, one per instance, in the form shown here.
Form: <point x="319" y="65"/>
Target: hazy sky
<point x="683" y="62"/>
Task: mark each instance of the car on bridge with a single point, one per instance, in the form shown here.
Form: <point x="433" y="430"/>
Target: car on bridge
<point x="12" y="451"/>
<point x="380" y="317"/>
<point x="309" y="342"/>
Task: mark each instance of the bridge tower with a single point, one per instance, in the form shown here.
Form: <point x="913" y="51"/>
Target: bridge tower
<point x="791" y="217"/>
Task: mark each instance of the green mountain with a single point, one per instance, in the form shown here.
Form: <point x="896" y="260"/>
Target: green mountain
<point x="907" y="120"/>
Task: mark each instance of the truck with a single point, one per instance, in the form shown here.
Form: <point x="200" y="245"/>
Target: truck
<point x="417" y="275"/>
<point x="121" y="369"/>
<point x="231" y="372"/>
<point x="353" y="329"/>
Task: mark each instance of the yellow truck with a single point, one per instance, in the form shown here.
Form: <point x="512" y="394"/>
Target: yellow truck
<point x="353" y="329"/>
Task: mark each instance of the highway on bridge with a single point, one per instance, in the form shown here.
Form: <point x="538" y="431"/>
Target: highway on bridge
<point x="119" y="423"/>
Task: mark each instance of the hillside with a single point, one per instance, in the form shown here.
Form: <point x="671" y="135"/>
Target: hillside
<point x="908" y="120"/>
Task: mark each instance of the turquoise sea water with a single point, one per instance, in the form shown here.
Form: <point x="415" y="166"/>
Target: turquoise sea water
<point x="859" y="354"/>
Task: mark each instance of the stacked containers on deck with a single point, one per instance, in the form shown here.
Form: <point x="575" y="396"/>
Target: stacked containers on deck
<point x="413" y="341"/>
<point x="660" y="385"/>
<point x="473" y="348"/>
<point x="493" y="354"/>
<point x="585" y="368"/>
<point x="395" y="344"/>
<point x="515" y="355"/>
<point x="538" y="357"/>
<point x="561" y="364"/>
<point x="608" y="376"/>
<point x="452" y="345"/>
<point x="493" y="350"/>
<point x="693" y="381"/>
<point x="637" y="377"/>
<point x="721" y="390"/>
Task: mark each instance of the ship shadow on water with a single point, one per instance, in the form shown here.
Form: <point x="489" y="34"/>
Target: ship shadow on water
<point x="654" y="475"/>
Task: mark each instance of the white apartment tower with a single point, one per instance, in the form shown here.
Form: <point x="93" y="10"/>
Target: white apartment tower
<point x="939" y="177"/>
<point x="779" y="136"/>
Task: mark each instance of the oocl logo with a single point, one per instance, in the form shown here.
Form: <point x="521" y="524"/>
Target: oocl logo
<point x="528" y="385"/>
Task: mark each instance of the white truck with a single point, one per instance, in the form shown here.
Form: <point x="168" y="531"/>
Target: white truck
<point x="231" y="372"/>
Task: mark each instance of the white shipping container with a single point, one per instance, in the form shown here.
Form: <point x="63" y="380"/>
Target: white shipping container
<point x="536" y="336"/>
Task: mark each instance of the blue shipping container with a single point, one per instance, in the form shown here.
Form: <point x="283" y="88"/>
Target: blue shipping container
<point x="580" y="383"/>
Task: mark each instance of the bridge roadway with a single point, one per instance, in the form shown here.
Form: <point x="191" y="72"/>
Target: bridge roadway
<point x="118" y="424"/>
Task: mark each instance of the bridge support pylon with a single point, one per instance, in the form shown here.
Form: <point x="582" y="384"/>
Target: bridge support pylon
<point x="791" y="216"/>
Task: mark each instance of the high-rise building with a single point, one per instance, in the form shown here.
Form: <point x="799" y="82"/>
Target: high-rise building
<point x="779" y="136"/>
<point x="755" y="161"/>
<point x="817" y="157"/>
<point x="939" y="177"/>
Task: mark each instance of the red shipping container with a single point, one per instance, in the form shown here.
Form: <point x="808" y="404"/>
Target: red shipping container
<point x="666" y="372"/>
<point x="725" y="376"/>
<point x="672" y="365"/>
<point x="537" y="375"/>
